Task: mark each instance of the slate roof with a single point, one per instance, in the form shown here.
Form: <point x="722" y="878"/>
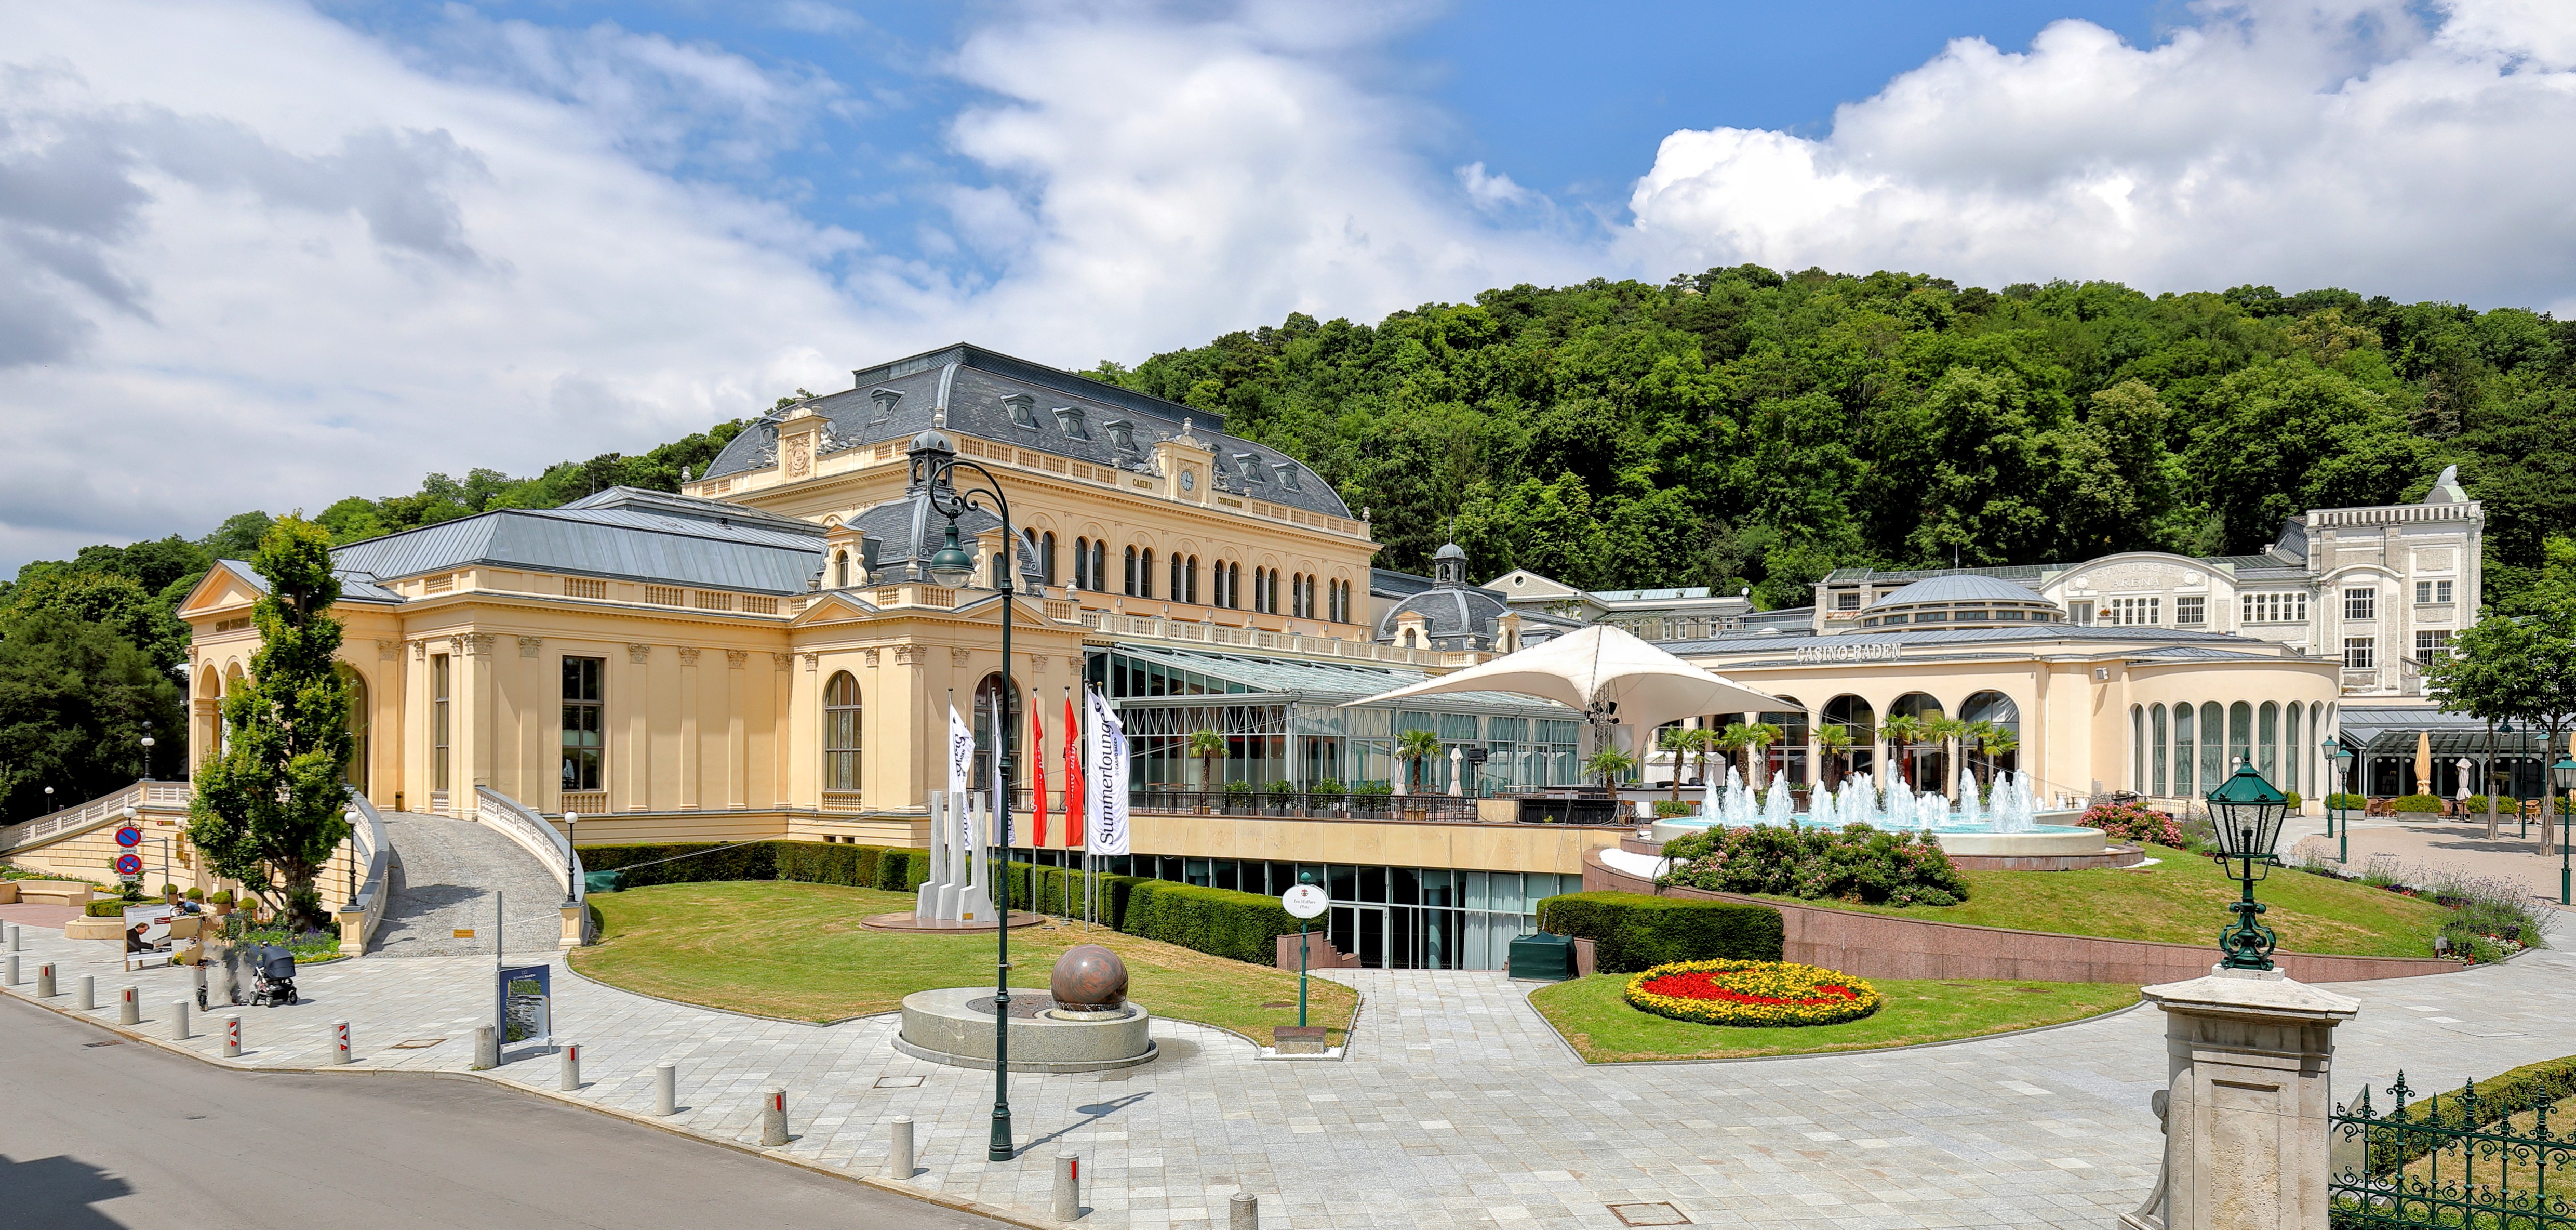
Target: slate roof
<point x="1965" y="638"/>
<point x="623" y="533"/>
<point x="1067" y="415"/>
<point x="1959" y="587"/>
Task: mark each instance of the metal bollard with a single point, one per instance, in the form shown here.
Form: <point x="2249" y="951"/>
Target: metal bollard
<point x="89" y="993"/>
<point x="666" y="1090"/>
<point x="899" y="1153"/>
<point x="178" y="1020"/>
<point x="339" y="1042"/>
<point x="1242" y="1212"/>
<point x="1068" y="1187"/>
<point x="232" y="1037"/>
<point x="773" y="1116"/>
<point x="45" y="980"/>
<point x="129" y="1010"/>
<point x="487" y="1049"/>
<point x="571" y="1080"/>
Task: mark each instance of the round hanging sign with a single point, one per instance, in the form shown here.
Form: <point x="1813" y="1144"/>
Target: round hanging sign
<point x="129" y="864"/>
<point x="129" y="837"/>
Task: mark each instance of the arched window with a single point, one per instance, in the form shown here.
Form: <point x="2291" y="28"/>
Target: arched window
<point x="2157" y="749"/>
<point x="2267" y="760"/>
<point x="1257" y="574"/>
<point x="1922" y="763"/>
<point x="841" y="732"/>
<point x="1271" y="594"/>
<point x="2213" y="746"/>
<point x="2240" y="734"/>
<point x="1128" y="587"/>
<point x="1100" y="565"/>
<point x="1180" y="590"/>
<point x="2137" y="749"/>
<point x="1234" y="586"/>
<point x="1145" y="574"/>
<point x="1194" y="579"/>
<point x="1046" y="556"/>
<point x="356" y="773"/>
<point x="989" y="699"/>
<point x="2292" y="752"/>
<point x="2185" y="756"/>
<point x="1856" y="718"/>
<point x="841" y="570"/>
<point x="1082" y="563"/>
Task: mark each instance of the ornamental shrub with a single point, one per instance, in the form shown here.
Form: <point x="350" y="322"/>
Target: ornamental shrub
<point x="2416" y="803"/>
<point x="1633" y="931"/>
<point x="221" y="896"/>
<point x="1751" y="993"/>
<point x="105" y="909"/>
<point x="1216" y="921"/>
<point x="1856" y="863"/>
<point x="2134" y="822"/>
<point x="1674" y="807"/>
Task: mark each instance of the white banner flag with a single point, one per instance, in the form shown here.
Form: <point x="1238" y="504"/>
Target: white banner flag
<point x="961" y="770"/>
<point x="1107" y="757"/>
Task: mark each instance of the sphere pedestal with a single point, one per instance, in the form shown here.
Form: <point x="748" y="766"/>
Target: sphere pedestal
<point x="954" y="1026"/>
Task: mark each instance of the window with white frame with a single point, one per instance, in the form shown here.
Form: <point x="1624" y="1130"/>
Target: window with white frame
<point x="2273" y="608"/>
<point x="2361" y="603"/>
<point x="2359" y="653"/>
<point x="2190" y="611"/>
<point x="2431" y="645"/>
<point x="2127" y="611"/>
<point x="2432" y="592"/>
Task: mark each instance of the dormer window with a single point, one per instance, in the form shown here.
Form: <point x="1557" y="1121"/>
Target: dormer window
<point x="1122" y="434"/>
<point x="885" y="400"/>
<point x="1069" y="418"/>
<point x="1287" y="474"/>
<point x="1023" y="409"/>
<point x="1248" y="467"/>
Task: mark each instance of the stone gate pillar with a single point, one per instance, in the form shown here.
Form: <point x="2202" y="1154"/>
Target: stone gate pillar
<point x="2247" y="1108"/>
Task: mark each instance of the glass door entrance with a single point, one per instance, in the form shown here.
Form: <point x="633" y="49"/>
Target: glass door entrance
<point x="1361" y="930"/>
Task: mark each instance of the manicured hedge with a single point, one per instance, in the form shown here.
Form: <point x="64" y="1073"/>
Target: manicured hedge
<point x="2498" y="1097"/>
<point x="2416" y="803"/>
<point x="1219" y="922"/>
<point x="1634" y="931"/>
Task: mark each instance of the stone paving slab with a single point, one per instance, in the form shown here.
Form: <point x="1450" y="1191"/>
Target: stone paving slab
<point x="1456" y="1107"/>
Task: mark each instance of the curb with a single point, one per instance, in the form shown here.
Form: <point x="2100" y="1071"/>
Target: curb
<point x="913" y="1191"/>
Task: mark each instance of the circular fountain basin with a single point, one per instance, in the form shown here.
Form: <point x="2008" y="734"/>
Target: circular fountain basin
<point x="2051" y="841"/>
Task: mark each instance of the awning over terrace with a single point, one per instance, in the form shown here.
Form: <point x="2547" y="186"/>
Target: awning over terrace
<point x="1600" y="665"/>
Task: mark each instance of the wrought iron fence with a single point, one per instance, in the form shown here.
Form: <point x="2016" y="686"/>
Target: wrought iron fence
<point x="2459" y="1162"/>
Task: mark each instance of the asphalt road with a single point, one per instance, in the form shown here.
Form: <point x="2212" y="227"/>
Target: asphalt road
<point x="129" y="1136"/>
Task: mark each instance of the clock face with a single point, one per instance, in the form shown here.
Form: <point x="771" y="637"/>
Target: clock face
<point x="1189" y="480"/>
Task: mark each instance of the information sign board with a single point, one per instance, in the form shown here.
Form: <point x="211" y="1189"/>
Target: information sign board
<point x="524" y="1004"/>
<point x="1302" y="901"/>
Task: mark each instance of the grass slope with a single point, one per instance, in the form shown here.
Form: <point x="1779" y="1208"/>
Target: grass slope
<point x="1602" y="1028"/>
<point x="2183" y="900"/>
<point x="782" y="949"/>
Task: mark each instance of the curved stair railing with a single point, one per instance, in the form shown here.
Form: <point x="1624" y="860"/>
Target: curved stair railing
<point x="369" y="850"/>
<point x="547" y="844"/>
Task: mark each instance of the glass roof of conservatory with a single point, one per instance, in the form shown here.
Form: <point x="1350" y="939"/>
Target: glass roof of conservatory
<point x="1181" y="675"/>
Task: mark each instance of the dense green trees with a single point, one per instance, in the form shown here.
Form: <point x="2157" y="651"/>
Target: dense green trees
<point x="74" y="698"/>
<point x="1743" y="427"/>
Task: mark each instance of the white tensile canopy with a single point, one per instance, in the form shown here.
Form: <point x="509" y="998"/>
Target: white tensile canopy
<point x="1600" y="665"/>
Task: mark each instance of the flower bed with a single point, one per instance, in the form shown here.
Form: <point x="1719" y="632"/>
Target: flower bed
<point x="2134" y="822"/>
<point x="1754" y="993"/>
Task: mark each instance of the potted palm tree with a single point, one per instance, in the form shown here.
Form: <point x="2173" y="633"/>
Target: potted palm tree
<point x="1835" y="742"/>
<point x="1903" y="731"/>
<point x="1994" y="742"/>
<point x="1609" y="764"/>
<point x="1414" y="747"/>
<point x="1209" y="747"/>
<point x="1676" y="741"/>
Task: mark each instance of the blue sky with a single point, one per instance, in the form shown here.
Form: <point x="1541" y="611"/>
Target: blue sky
<point x="303" y="250"/>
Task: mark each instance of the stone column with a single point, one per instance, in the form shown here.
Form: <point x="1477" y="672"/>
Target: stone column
<point x="2249" y="1103"/>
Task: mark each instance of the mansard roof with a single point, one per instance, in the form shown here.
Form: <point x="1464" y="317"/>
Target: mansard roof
<point x="622" y="533"/>
<point x="993" y="396"/>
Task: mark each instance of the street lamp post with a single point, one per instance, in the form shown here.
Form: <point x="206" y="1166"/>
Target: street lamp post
<point x="952" y="566"/>
<point x="2563" y="776"/>
<point x="147" y="751"/>
<point x="2343" y="769"/>
<point x="2247" y="813"/>
<point x="2333" y="751"/>
<point x="572" y="861"/>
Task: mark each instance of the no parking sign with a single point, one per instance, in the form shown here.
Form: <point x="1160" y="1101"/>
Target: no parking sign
<point x="129" y="864"/>
<point x="129" y="836"/>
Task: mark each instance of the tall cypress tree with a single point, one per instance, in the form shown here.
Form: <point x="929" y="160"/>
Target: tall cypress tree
<point x="270" y="810"/>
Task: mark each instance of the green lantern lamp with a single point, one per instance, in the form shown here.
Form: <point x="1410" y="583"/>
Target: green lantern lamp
<point x="2248" y="812"/>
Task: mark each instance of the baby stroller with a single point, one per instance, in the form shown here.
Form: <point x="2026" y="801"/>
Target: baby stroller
<point x="272" y="976"/>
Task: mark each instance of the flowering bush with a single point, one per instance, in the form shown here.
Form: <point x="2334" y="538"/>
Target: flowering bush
<point x="2134" y="822"/>
<point x="1856" y="863"/>
<point x="1753" y="993"/>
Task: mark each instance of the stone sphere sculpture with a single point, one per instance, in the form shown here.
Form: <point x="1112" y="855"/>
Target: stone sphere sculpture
<point x="1089" y="978"/>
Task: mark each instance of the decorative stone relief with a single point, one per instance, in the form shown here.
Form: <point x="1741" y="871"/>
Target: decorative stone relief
<point x="638" y="654"/>
<point x="688" y="656"/>
<point x="1037" y="663"/>
<point x="800" y="456"/>
<point x="480" y="644"/>
<point x="530" y="646"/>
<point x="960" y="657"/>
<point x="812" y="661"/>
<point x="778" y="661"/>
<point x="908" y="655"/>
<point x="2134" y="576"/>
<point x="388" y="650"/>
<point x="419" y="650"/>
<point x="868" y="655"/>
<point x="735" y="658"/>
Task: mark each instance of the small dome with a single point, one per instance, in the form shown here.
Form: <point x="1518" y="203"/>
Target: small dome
<point x="931" y="438"/>
<point x="1963" y="587"/>
<point x="1450" y="551"/>
<point x="1961" y="599"/>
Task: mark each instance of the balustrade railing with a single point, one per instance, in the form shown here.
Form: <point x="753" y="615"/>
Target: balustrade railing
<point x="540" y="838"/>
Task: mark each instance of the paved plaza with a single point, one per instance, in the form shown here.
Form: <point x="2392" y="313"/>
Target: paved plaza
<point x="1456" y="1107"/>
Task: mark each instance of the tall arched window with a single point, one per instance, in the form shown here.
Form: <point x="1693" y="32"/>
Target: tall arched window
<point x="2240" y="734"/>
<point x="2292" y="751"/>
<point x="1082" y="563"/>
<point x="1271" y="597"/>
<point x="2213" y="746"/>
<point x="841" y="732"/>
<point x="2185" y="756"/>
<point x="1128" y="586"/>
<point x="2137" y="749"/>
<point x="1194" y="579"/>
<point x="356" y="773"/>
<point x="1257" y="575"/>
<point x="1145" y="574"/>
<point x="1856" y="718"/>
<point x="1180" y="590"/>
<point x="1100" y="565"/>
<point x="1046" y="556"/>
<point x="1233" y="587"/>
<point x="2157" y="749"/>
<point x="841" y="570"/>
<point x="992" y="710"/>
<point x="2267" y="759"/>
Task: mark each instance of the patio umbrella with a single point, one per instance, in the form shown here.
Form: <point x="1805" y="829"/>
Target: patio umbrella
<point x="2424" y="762"/>
<point x="1599" y="665"/>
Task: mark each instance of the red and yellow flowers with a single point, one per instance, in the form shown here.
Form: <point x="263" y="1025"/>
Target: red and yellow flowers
<point x="1756" y="993"/>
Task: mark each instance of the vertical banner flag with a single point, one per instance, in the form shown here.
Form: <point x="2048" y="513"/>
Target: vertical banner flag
<point x="1073" y="830"/>
<point x="1108" y="778"/>
<point x="1037" y="772"/>
<point x="961" y="770"/>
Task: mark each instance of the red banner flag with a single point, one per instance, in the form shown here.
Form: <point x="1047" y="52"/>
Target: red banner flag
<point x="1073" y="832"/>
<point x="1037" y="767"/>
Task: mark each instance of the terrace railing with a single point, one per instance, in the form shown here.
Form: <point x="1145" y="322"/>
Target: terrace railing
<point x="1303" y="805"/>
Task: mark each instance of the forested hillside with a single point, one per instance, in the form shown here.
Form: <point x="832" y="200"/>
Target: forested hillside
<point x="1737" y="427"/>
<point x="1740" y="427"/>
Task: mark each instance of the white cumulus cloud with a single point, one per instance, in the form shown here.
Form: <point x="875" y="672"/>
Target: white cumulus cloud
<point x="2355" y="143"/>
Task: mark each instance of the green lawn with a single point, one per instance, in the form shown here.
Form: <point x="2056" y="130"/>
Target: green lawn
<point x="2182" y="900"/>
<point x="1604" y="1029"/>
<point x="782" y="949"/>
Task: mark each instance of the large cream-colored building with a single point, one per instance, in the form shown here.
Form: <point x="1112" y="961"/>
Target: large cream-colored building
<point x="766" y="654"/>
